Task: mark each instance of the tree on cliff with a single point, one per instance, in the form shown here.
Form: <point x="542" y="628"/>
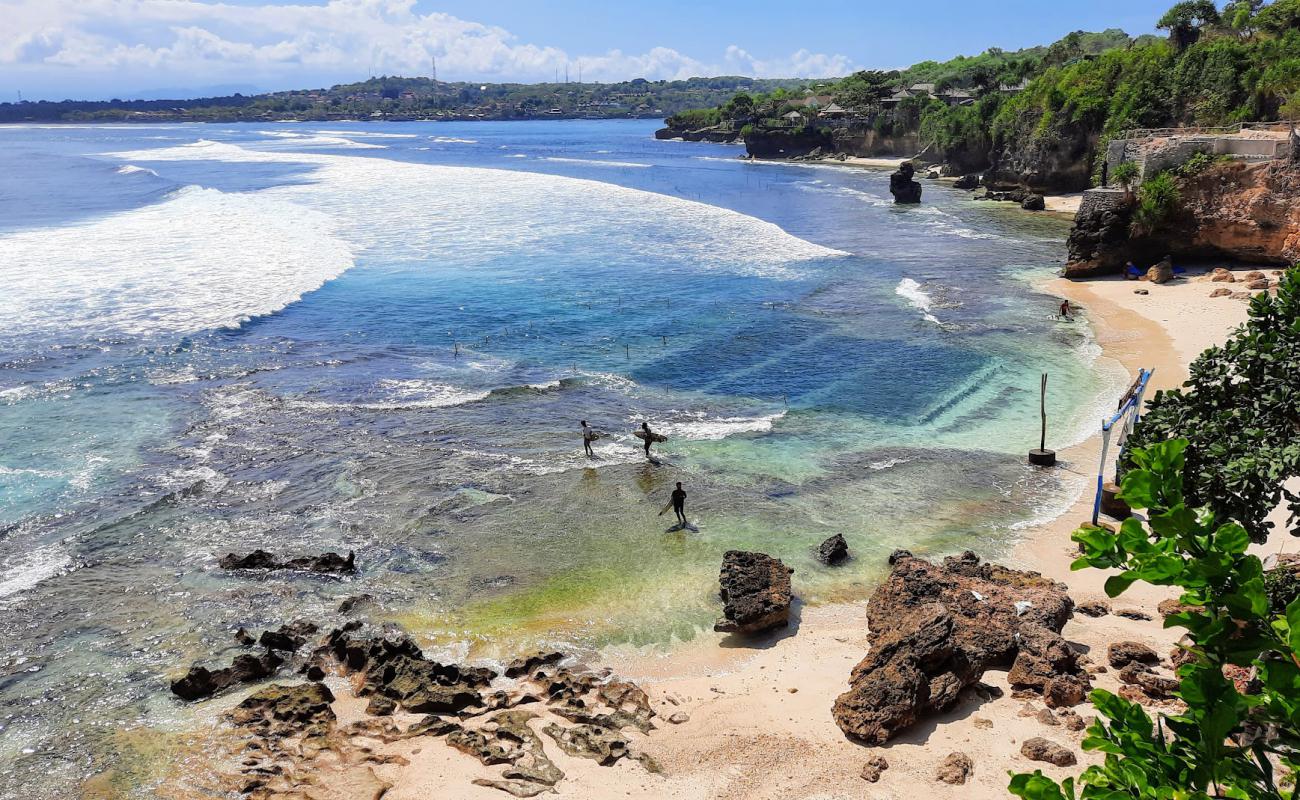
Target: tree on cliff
<point x="1185" y="20"/>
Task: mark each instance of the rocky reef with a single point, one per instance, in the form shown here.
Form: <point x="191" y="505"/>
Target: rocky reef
<point x="1237" y="211"/>
<point x="935" y="629"/>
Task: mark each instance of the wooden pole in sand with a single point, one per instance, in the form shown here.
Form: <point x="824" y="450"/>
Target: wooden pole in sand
<point x="1042" y="457"/>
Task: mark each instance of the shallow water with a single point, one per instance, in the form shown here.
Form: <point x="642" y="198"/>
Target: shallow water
<point x="381" y="337"/>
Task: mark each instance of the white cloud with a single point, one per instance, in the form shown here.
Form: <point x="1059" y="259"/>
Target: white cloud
<point x="66" y="45"/>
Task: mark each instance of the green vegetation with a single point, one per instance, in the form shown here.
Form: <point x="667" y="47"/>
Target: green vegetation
<point x="1240" y="410"/>
<point x="1226" y="744"/>
<point x="1125" y="173"/>
<point x="1157" y="202"/>
<point x="392" y="97"/>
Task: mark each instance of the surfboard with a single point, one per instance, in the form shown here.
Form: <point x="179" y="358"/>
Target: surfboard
<point x="654" y="437"/>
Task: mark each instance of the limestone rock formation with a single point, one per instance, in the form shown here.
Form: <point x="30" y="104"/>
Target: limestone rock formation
<point x="1121" y="654"/>
<point x="901" y="185"/>
<point x="1040" y="749"/>
<point x="955" y="769"/>
<point x="756" y="591"/>
<point x="201" y="682"/>
<point x="935" y="629"/>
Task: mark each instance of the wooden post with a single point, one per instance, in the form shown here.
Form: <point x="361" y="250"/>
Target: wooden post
<point x="1042" y="457"/>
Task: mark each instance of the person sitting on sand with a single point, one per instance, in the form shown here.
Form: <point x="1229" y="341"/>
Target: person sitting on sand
<point x="648" y="437"/>
<point x="678" y="502"/>
<point x="1131" y="272"/>
<point x="588" y="436"/>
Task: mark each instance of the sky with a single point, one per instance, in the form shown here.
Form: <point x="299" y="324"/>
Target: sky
<point x="94" y="49"/>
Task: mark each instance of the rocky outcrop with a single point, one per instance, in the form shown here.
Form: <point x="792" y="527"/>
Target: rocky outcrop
<point x="1060" y="162"/>
<point x="833" y="550"/>
<point x="1234" y="211"/>
<point x="262" y="560"/>
<point x="1033" y="202"/>
<point x="901" y="185"/>
<point x="969" y="182"/>
<point x="1047" y="664"/>
<point x="720" y="134"/>
<point x="201" y="682"/>
<point x="755" y="589"/>
<point x="283" y="710"/>
<point x="935" y="629"/>
<point x="787" y="142"/>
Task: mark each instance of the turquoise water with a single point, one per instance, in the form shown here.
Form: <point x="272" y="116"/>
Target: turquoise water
<point x="381" y="337"/>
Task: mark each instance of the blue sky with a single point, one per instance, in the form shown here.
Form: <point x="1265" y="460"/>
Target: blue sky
<point x="98" y="48"/>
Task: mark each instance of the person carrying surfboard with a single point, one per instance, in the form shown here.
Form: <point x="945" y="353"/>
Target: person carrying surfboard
<point x="678" y="503"/>
<point x="588" y="436"/>
<point x="647" y="436"/>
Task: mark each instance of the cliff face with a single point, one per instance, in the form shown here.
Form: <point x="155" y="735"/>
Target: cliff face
<point x="1060" y="162"/>
<point x="1235" y="211"/>
<point x="788" y="143"/>
<point x="724" y="135"/>
<point x="869" y="142"/>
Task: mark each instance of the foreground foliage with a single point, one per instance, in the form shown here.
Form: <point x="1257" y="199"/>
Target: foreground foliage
<point x="1240" y="412"/>
<point x="1226" y="744"/>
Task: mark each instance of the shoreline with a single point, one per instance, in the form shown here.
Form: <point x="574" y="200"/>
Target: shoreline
<point x="753" y="719"/>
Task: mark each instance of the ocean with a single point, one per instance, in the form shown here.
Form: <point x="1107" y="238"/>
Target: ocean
<point x="381" y="337"/>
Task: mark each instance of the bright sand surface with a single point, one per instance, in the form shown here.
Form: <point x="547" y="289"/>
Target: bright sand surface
<point x="760" y="722"/>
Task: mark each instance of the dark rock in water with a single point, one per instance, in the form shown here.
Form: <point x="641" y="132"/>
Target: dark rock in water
<point x="200" y="682"/>
<point x="262" y="560"/>
<point x="1033" y="202"/>
<point x="529" y="664"/>
<point x="934" y="630"/>
<point x="955" y="769"/>
<point x="756" y="591"/>
<point x="289" y="637"/>
<point x="968" y="182"/>
<point x="833" y="550"/>
<point x="244" y="639"/>
<point x="1121" y="654"/>
<point x="283" y="710"/>
<point x="902" y="186"/>
<point x="1040" y="749"/>
<point x="350" y="604"/>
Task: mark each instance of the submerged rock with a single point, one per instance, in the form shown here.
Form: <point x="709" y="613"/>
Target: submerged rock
<point x="901" y="185"/>
<point x="935" y="629"/>
<point x="833" y="550"/>
<point x="756" y="590"/>
<point x="262" y="560"/>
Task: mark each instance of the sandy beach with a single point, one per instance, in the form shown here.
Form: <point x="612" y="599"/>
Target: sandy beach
<point x="752" y="719"/>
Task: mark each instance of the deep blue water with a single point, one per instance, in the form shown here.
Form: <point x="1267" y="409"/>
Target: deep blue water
<point x="381" y="337"/>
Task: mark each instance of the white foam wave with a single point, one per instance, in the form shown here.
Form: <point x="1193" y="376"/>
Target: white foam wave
<point x="371" y="134"/>
<point x="595" y="162"/>
<point x="698" y="426"/>
<point x="515" y="155"/>
<point x="452" y="140"/>
<point x="916" y="297"/>
<point x="472" y="215"/>
<point x="25" y="570"/>
<point x="132" y="169"/>
<point x="200" y="259"/>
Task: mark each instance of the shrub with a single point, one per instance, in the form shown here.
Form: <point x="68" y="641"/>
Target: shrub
<point x="1125" y="172"/>
<point x="1157" y="201"/>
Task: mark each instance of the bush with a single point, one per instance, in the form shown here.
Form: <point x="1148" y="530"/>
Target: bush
<point x="1157" y="202"/>
<point x="1226" y="744"/>
<point x="1125" y="172"/>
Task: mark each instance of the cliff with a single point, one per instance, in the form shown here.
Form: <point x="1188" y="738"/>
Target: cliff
<point x="1061" y="162"/>
<point x="714" y="134"/>
<point x="1236" y="211"/>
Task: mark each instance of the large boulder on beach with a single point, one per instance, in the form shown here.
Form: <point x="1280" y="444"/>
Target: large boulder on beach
<point x="755" y="589"/>
<point x="1034" y="202"/>
<point x="902" y="186"/>
<point x="935" y="629"/>
<point x="1162" y="272"/>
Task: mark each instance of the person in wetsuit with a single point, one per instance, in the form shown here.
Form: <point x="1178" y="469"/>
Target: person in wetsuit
<point x="678" y="502"/>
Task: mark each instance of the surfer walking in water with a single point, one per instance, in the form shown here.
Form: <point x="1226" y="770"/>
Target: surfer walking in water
<point x="1065" y="310"/>
<point x="678" y="503"/>
<point x="647" y="437"/>
<point x="588" y="436"/>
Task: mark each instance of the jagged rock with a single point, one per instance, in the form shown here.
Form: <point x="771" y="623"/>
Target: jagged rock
<point x="1065" y="691"/>
<point x="1033" y="202"/>
<point x="1070" y="720"/>
<point x="1222" y="291"/>
<point x="529" y="664"/>
<point x="1262" y="283"/>
<point x="756" y="591"/>
<point x="1095" y="608"/>
<point x="680" y="718"/>
<point x="1042" y="656"/>
<point x="934" y="630"/>
<point x="983" y="723"/>
<point x="244" y="639"/>
<point x="288" y="637"/>
<point x="1046" y="717"/>
<point x="1133" y="614"/>
<point x="516" y="788"/>
<point x="1120" y="654"/>
<point x="1172" y="606"/>
<point x="1221" y="275"/>
<point x="955" y="769"/>
<point x="381" y="706"/>
<point x="431" y="725"/>
<point x="967" y="182"/>
<point x="285" y="710"/>
<point x="262" y="560"/>
<point x="1137" y="674"/>
<point x="629" y="703"/>
<point x="901" y="185"/>
<point x="872" y="769"/>
<point x="200" y="682"/>
<point x="1254" y="275"/>
<point x="833" y="550"/>
<point x="1040" y="749"/>
<point x="350" y="604"/>
<point x="589" y="741"/>
<point x="507" y="739"/>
